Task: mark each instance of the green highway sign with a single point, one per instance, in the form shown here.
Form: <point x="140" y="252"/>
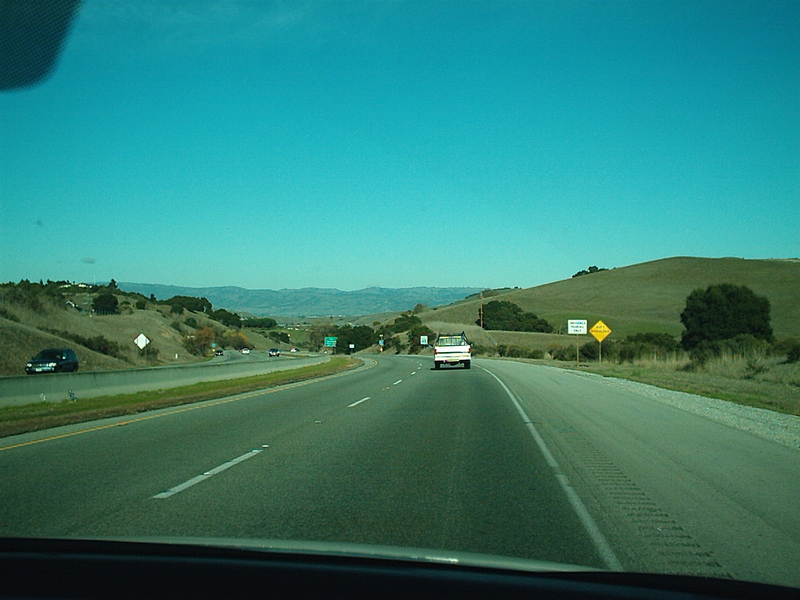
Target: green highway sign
<point x="330" y="342"/>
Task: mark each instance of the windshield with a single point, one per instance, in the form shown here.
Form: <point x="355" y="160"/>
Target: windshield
<point x="273" y="179"/>
<point x="48" y="355"/>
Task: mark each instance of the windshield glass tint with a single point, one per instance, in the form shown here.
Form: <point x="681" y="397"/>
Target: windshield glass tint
<point x="254" y="222"/>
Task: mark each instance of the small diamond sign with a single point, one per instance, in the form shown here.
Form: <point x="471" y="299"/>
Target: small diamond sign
<point x="141" y="341"/>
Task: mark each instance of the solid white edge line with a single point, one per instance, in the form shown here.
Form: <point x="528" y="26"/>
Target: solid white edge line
<point x="601" y="543"/>
<point x="206" y="475"/>
<point x="357" y="402"/>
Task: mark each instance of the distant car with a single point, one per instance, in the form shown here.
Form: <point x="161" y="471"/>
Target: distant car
<point x="245" y="350"/>
<point x="53" y="360"/>
<point x="274" y="352"/>
<point x="295" y="350"/>
<point x="218" y="352"/>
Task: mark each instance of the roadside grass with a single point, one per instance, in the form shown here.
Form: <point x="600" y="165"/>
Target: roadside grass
<point x="766" y="383"/>
<point x="44" y="415"/>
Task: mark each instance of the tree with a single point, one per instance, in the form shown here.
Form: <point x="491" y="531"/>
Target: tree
<point x="724" y="311"/>
<point x="236" y="339"/>
<point x="261" y="322"/>
<point x="200" y="341"/>
<point x="589" y="271"/>
<point x="105" y="303"/>
<point x="190" y="303"/>
<point x="225" y="317"/>
<point x="404" y="322"/>
<point x="280" y="336"/>
<point x="506" y="316"/>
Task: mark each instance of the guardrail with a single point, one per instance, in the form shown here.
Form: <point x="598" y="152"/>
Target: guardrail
<point x="56" y="387"/>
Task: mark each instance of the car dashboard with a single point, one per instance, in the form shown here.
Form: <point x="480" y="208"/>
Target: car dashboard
<point x="100" y="569"/>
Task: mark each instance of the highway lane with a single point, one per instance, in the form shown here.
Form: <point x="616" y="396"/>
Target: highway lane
<point x="504" y="458"/>
<point x="672" y="491"/>
<point x="394" y="454"/>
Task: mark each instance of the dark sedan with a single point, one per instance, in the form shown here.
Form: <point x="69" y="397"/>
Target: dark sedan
<point x="53" y="360"/>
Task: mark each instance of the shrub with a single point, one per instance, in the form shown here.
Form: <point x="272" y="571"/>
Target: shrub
<point x="225" y="317"/>
<point x="149" y="352"/>
<point x="105" y="303"/>
<point x="518" y="352"/>
<point x="590" y="270"/>
<point x="200" y="342"/>
<point x="742" y="346"/>
<point x="479" y="350"/>
<point x="7" y="315"/>
<point x="793" y="355"/>
<point x="590" y="351"/>
<point x="405" y="322"/>
<point x="97" y="343"/>
<point x="646" y="346"/>
<point x="33" y="295"/>
<point x="280" y="336"/>
<point x="261" y="322"/>
<point x="414" y="335"/>
<point x="790" y="348"/>
<point x="564" y="353"/>
<point x="190" y="303"/>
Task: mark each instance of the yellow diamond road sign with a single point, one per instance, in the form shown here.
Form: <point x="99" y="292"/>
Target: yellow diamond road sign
<point x="600" y="330"/>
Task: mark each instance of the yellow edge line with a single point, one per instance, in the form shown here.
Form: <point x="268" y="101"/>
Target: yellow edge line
<point x="204" y="404"/>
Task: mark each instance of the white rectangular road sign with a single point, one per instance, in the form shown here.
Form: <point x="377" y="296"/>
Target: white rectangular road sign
<point x="577" y="326"/>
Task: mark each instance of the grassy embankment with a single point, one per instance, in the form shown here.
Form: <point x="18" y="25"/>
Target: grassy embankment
<point x="43" y="415"/>
<point x="767" y="383"/>
<point x="646" y="297"/>
<point x="649" y="297"/>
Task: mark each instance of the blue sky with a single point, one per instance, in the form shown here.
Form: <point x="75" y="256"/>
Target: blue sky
<point x="391" y="143"/>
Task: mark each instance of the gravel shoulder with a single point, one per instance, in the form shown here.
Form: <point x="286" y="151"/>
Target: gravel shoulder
<point x="777" y="427"/>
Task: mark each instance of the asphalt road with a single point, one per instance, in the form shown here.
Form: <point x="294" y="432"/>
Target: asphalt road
<point x="504" y="458"/>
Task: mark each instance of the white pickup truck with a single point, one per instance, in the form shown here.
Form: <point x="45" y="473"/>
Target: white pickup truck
<point x="451" y="349"/>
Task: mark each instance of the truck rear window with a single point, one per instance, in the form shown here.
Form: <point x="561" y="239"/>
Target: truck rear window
<point x="451" y="341"/>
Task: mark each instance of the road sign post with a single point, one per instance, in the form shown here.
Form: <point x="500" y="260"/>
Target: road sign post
<point x="577" y="327"/>
<point x="600" y="331"/>
<point x="330" y="342"/>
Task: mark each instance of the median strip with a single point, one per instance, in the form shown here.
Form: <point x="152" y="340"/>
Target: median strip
<point x="44" y="415"/>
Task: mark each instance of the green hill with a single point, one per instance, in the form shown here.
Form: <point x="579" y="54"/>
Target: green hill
<point x="648" y="296"/>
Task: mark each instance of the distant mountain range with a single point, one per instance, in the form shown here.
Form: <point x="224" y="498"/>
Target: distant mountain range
<point x="309" y="302"/>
